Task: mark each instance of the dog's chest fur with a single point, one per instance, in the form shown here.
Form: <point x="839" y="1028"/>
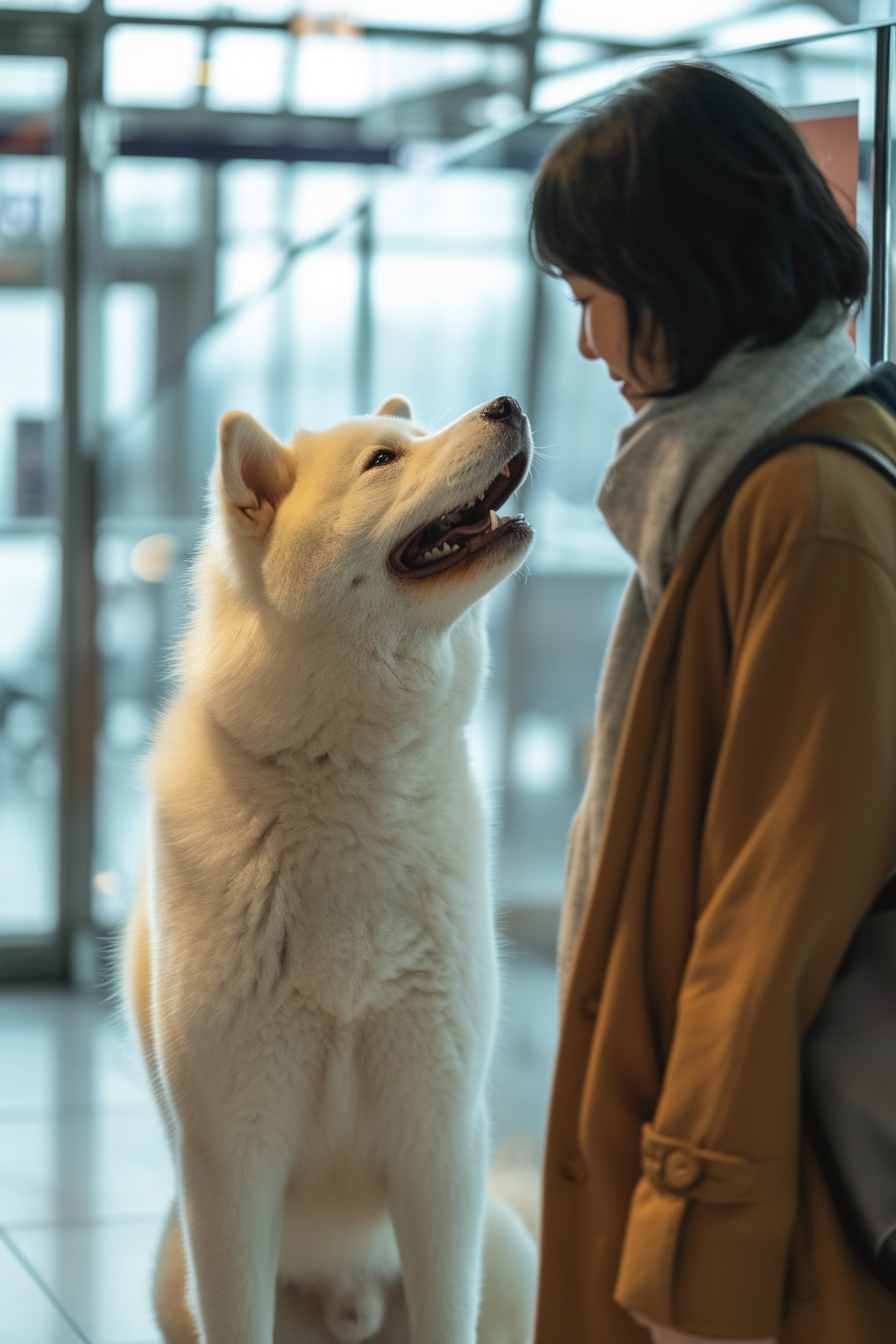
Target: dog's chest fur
<point x="338" y="891"/>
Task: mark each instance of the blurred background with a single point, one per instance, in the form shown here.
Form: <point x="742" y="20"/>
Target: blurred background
<point x="297" y="212"/>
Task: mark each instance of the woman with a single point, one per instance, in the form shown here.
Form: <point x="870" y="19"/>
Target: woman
<point x="740" y="812"/>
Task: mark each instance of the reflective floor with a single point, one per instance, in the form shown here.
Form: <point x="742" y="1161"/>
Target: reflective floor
<point x="85" y="1177"/>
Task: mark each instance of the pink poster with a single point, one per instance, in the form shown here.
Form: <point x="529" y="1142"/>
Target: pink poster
<point x="831" y="133"/>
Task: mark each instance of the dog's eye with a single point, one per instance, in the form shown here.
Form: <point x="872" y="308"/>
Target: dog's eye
<point x="381" y="457"/>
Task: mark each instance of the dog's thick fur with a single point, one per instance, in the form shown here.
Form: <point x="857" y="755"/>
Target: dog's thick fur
<point x="311" y="961"/>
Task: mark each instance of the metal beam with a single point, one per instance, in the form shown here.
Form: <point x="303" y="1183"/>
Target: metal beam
<point x="880" y="189"/>
<point x="530" y="49"/>
<point x="364" y="318"/>
<point x="78" y="659"/>
<point x="510" y="36"/>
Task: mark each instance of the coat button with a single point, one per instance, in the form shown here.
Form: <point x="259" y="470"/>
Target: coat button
<point x="589" y="1006"/>
<point x="681" y="1169"/>
<point x="572" y="1169"/>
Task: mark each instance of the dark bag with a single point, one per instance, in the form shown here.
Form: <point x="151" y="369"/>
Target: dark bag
<point x="849" y="1052"/>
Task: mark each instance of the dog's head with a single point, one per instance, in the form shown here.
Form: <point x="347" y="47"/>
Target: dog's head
<point x="375" y="516"/>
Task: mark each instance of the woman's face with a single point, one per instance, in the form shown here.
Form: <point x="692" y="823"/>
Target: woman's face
<point x="603" y="334"/>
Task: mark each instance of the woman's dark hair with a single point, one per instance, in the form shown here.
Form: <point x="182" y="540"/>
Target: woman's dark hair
<point x="699" y="204"/>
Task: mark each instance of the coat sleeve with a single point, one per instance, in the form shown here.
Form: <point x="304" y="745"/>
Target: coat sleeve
<point x="800" y="831"/>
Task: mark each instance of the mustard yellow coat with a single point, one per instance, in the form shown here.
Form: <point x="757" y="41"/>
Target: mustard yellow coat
<point x="751" y="821"/>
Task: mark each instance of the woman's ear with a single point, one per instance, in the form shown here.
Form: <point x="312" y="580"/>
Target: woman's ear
<point x="400" y="407"/>
<point x="257" y="471"/>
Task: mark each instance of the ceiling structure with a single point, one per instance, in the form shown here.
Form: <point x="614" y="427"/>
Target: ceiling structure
<point x="378" y="80"/>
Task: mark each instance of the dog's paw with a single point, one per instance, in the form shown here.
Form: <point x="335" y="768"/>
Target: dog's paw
<point x="354" y="1309"/>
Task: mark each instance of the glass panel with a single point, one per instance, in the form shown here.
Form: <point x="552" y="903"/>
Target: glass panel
<point x="153" y="67"/>
<point x="31" y="83"/>
<point x="559" y="53"/>
<point x="344" y="76"/>
<point x="777" y="25"/>
<point x="156" y="212"/>
<point x="251" y="199"/>
<point x="151" y="203"/>
<point x="32" y="182"/>
<point x="247" y="70"/>
<point x="558" y="91"/>
<point x="654" y="19"/>
<point x="451" y="275"/>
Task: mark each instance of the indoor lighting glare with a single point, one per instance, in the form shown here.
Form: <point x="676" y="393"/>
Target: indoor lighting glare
<point x="32" y="83"/>
<point x="454" y="15"/>
<point x="69" y="6"/>
<point x="777" y="25"/>
<point x="246" y="70"/>
<point x="164" y="9"/>
<point x="152" y="558"/>
<point x="541" y="754"/>
<point x="152" y="67"/>
<point x="347" y="76"/>
<point x="653" y="21"/>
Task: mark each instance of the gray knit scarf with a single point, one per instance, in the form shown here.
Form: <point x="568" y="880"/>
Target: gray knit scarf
<point x="669" y="464"/>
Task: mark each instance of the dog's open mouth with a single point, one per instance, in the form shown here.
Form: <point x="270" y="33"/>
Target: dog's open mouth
<point x="458" y="535"/>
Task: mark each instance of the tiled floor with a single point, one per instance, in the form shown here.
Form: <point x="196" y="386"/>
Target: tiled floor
<point x="85" y="1177"/>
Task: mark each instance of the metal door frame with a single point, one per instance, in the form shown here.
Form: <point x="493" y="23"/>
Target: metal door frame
<point x="56" y="956"/>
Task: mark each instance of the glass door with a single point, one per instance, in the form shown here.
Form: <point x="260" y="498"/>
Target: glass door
<point x="32" y="231"/>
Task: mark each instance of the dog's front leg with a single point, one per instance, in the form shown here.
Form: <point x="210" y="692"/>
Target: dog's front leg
<point x="437" y="1199"/>
<point x="231" y="1207"/>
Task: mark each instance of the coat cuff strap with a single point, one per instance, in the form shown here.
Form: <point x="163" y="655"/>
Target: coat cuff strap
<point x="676" y="1167"/>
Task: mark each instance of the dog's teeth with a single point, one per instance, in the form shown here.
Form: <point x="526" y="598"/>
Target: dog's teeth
<point x="454" y="548"/>
<point x="494" y="518"/>
<point x="428" y="555"/>
<point x="505" y="471"/>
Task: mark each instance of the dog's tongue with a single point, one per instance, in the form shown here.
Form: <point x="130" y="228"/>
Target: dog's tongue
<point x="469" y="529"/>
<point x="457" y="536"/>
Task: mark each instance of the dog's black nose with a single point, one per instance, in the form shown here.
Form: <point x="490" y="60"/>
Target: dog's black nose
<point x="502" y="408"/>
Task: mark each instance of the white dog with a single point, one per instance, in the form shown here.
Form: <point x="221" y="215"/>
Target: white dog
<point x="311" y="963"/>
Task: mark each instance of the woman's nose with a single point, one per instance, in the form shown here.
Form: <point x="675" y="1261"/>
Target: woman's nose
<point x="585" y="347"/>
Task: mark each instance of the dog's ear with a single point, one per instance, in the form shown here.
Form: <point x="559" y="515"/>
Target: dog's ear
<point x="400" y="407"/>
<point x="256" y="472"/>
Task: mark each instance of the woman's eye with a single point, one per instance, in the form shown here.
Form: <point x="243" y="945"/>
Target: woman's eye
<point x="381" y="457"/>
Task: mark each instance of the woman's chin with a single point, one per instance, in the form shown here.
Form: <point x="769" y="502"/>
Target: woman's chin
<point x="635" y="397"/>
